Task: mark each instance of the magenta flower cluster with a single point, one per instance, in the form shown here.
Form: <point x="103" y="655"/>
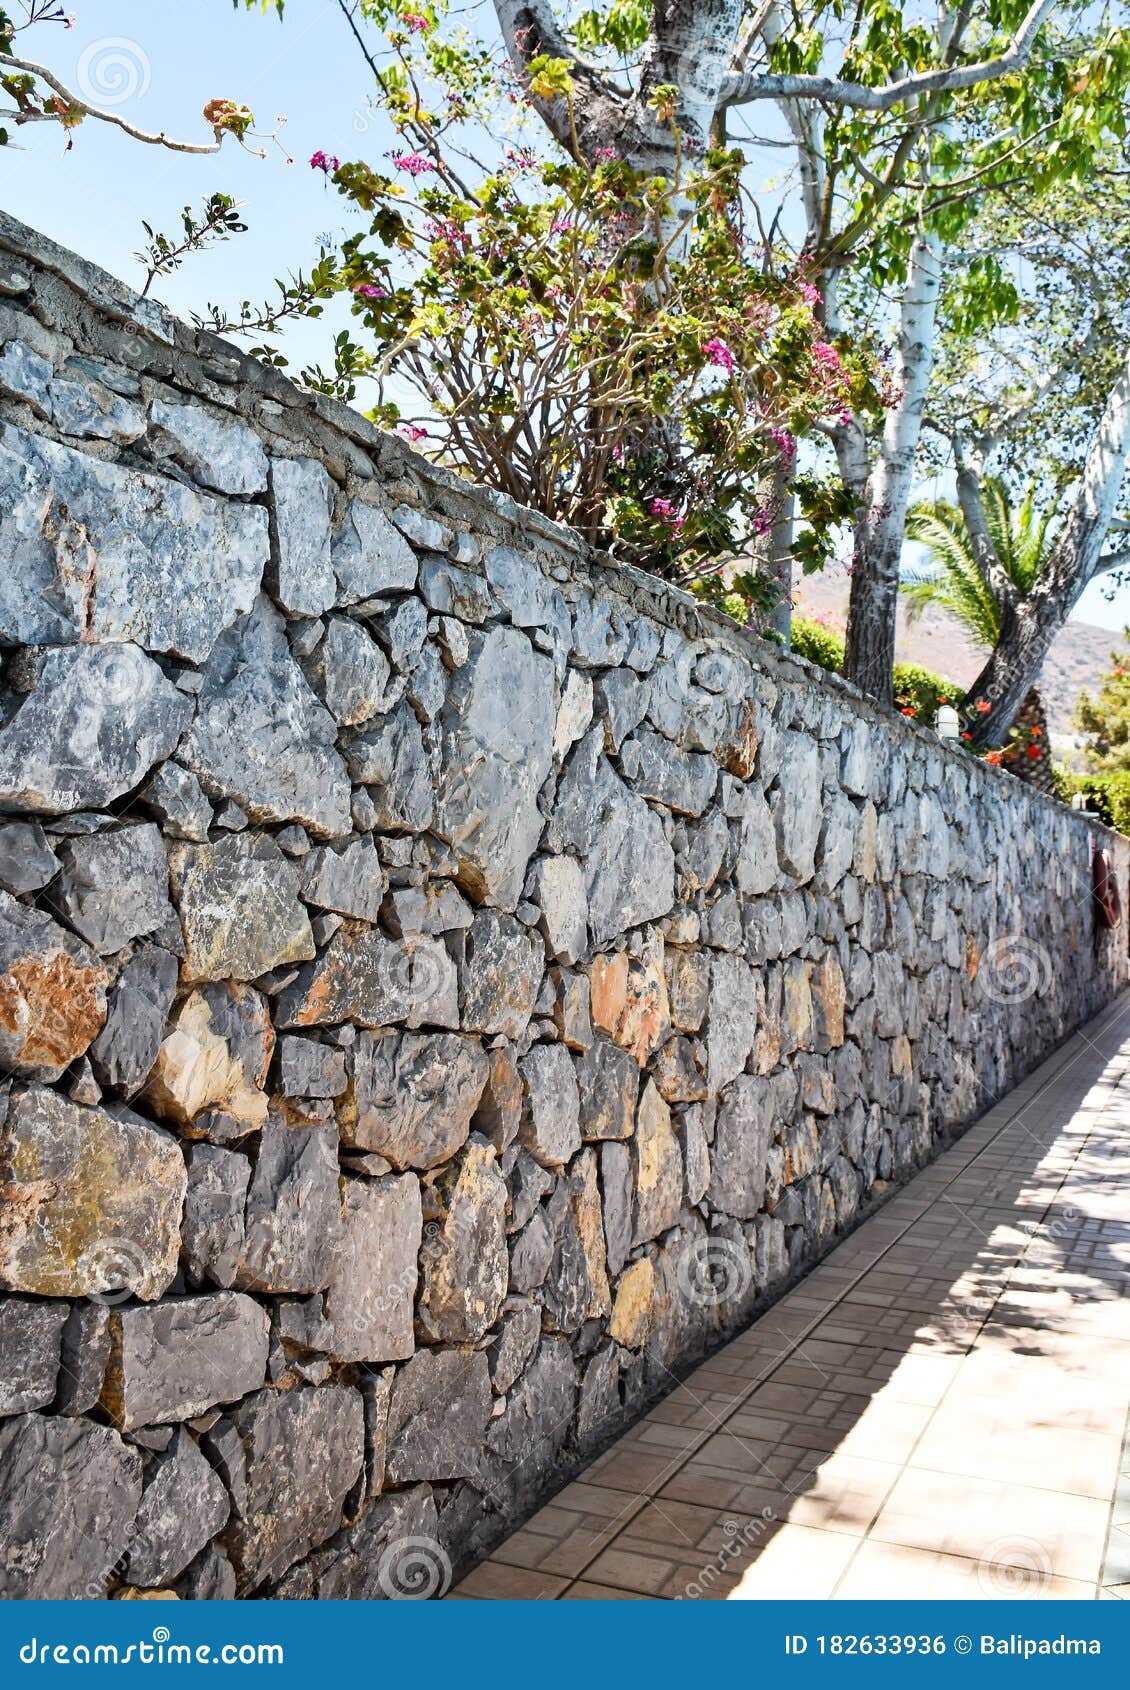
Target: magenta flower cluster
<point x="784" y="442"/>
<point x="414" y="163"/>
<point x="717" y="352"/>
<point x="664" y="509"/>
<point x="325" y="162"/>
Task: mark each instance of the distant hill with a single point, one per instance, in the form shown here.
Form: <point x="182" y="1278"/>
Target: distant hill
<point x="1077" y="659"/>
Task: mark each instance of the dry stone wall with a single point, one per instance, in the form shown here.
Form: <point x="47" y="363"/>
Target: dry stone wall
<point x="446" y="984"/>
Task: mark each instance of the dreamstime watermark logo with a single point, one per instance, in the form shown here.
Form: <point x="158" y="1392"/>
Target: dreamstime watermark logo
<point x="741" y="1536"/>
<point x="112" y="70"/>
<point x="1014" y="969"/>
<point x="161" y="1651"/>
<point x="699" y="74"/>
<point x="414" y="1569"/>
<point x="113" y="1269"/>
<point x="1014" y="1566"/>
<point x="715" y="1270"/>
<point x="416" y="972"/>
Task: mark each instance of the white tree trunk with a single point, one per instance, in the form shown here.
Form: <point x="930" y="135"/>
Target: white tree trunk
<point x="1031" y="626"/>
<point x="880" y="526"/>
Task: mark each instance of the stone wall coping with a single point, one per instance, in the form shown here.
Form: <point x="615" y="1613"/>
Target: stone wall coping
<point x="216" y="370"/>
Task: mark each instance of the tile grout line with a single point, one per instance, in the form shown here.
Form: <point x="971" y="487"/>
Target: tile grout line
<point x="1064" y="1059"/>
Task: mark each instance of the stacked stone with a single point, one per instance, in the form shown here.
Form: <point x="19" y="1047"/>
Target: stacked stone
<point x="446" y="984"/>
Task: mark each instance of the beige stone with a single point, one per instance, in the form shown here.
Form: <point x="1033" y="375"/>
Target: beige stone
<point x="464" y="1264"/>
<point x="658" y="1167"/>
<point x="92" y="1202"/>
<point x="633" y="1308"/>
<point x="972" y="956"/>
<point x="767" y="1044"/>
<point x="829" y="994"/>
<point x="196" y="1071"/>
<point x="688" y="987"/>
<point x="572" y="1015"/>
<point x="590" y="1230"/>
<point x="739" y="755"/>
<point x="796" y="1014"/>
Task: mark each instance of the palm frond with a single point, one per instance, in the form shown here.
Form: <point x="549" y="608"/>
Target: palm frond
<point x="1023" y="535"/>
<point x="955" y="585"/>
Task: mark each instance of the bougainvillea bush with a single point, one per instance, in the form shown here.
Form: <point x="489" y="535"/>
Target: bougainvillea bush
<point x="613" y="349"/>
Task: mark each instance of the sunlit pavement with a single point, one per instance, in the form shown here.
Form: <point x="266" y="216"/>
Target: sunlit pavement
<point x="938" y="1410"/>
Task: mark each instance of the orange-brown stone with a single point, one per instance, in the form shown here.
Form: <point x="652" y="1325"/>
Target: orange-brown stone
<point x="52" y="1008"/>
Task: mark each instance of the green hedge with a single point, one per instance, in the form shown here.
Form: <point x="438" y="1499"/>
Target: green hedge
<point x="916" y="689"/>
<point x="1107" y="795"/>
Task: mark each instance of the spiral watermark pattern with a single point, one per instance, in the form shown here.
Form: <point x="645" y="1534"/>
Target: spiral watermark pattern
<point x="1014" y="969"/>
<point x="715" y="1271"/>
<point x="415" y="973"/>
<point x="1014" y="1566"/>
<point x="112" y="70"/>
<point x="115" y="1268"/>
<point x="414" y="1569"/>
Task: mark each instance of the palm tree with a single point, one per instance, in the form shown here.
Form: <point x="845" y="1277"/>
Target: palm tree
<point x="1015" y="542"/>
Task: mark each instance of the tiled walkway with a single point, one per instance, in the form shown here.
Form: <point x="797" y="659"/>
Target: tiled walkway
<point x="939" y="1410"/>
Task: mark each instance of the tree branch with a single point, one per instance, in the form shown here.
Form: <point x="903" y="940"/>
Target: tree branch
<point x="946" y="79"/>
<point x="529" y="29"/>
<point x="74" y="103"/>
<point x="980" y="539"/>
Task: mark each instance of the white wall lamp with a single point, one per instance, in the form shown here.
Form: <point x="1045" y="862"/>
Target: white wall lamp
<point x="947" y="723"/>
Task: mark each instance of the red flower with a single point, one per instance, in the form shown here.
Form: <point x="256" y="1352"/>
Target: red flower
<point x="909" y="711"/>
<point x="983" y="706"/>
<point x="996" y="758"/>
<point x="967" y="736"/>
<point x="1033" y="751"/>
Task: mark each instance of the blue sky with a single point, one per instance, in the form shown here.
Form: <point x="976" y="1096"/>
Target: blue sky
<point x="174" y="58"/>
<point x="177" y="57"/>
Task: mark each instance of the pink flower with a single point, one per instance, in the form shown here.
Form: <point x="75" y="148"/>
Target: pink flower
<point x="412" y="432"/>
<point x="665" y="509"/>
<point x="447" y="232"/>
<point x="827" y="359"/>
<point x="717" y="352"/>
<point x="784" y="442"/>
<point x="603" y="155"/>
<point x="414" y="163"/>
<point x="324" y="162"/>
<point x="562" y="226"/>
<point x="417" y="24"/>
<point x="369" y="290"/>
<point x="813" y="295"/>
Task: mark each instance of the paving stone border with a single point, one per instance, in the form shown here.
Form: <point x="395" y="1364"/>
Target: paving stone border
<point x="447" y="983"/>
